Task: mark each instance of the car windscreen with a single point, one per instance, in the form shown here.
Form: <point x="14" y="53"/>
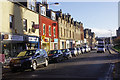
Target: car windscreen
<point x="26" y="53"/>
<point x="53" y="52"/>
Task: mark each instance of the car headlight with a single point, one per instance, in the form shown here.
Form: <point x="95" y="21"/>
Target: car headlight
<point x="30" y="58"/>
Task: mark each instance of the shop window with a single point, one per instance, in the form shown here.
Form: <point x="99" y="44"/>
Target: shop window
<point x="11" y="21"/>
<point x="24" y="24"/>
<point x="43" y="29"/>
<point x="54" y="32"/>
<point x="49" y="30"/>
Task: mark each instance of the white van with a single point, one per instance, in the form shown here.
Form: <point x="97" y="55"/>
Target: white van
<point x="100" y="49"/>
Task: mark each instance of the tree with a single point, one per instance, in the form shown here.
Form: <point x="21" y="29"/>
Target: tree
<point x="117" y="41"/>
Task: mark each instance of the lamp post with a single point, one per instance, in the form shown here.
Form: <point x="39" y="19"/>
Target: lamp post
<point x="110" y="37"/>
<point x="40" y="31"/>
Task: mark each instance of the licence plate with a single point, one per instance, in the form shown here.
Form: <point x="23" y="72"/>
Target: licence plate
<point x="17" y="64"/>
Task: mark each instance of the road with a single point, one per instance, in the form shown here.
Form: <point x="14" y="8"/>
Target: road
<point x="90" y="65"/>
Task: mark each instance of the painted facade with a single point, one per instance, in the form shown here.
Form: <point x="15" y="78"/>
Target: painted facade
<point x="17" y="28"/>
<point x="49" y="33"/>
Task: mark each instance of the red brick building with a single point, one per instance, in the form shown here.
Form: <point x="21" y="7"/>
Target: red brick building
<point x="48" y="33"/>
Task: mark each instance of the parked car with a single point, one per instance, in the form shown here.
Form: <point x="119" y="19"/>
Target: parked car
<point x="55" y="55"/>
<point x="78" y="50"/>
<point x="29" y="59"/>
<point x="66" y="53"/>
<point x="73" y="51"/>
<point x="82" y="49"/>
<point x="101" y="49"/>
<point x="86" y="48"/>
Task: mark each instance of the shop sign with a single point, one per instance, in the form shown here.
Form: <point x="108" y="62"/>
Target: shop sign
<point x="46" y="40"/>
<point x="36" y="26"/>
<point x="33" y="39"/>
<point x="55" y="40"/>
<point x="43" y="37"/>
<point x="12" y="37"/>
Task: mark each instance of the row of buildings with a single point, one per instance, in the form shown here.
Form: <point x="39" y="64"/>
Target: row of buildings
<point x="31" y="24"/>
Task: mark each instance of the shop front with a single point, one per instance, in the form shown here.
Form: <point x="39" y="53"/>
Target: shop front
<point x="55" y="44"/>
<point x="45" y="44"/>
<point x="12" y="45"/>
<point x="67" y="44"/>
<point x="71" y="43"/>
<point x="62" y="44"/>
<point x="78" y="43"/>
<point x="32" y="42"/>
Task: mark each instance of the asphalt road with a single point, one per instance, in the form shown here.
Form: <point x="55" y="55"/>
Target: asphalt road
<point x="90" y="65"/>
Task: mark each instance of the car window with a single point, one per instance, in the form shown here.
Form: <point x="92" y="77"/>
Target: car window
<point x="30" y="52"/>
<point x="53" y="52"/>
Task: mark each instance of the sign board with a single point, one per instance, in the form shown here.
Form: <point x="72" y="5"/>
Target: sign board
<point x="36" y="26"/>
<point x="12" y="37"/>
<point x="55" y="40"/>
<point x="33" y="39"/>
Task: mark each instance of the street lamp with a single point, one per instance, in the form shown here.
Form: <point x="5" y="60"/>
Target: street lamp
<point x="110" y="37"/>
<point x="56" y="3"/>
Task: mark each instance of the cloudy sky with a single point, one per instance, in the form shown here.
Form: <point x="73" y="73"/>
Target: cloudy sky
<point x="99" y="15"/>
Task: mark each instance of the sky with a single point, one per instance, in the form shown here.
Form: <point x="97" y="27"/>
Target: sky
<point x="101" y="17"/>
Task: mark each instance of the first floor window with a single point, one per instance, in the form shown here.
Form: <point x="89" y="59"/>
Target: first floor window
<point x="54" y="31"/>
<point x="11" y="21"/>
<point x="24" y="24"/>
<point x="49" y="30"/>
<point x="43" y="29"/>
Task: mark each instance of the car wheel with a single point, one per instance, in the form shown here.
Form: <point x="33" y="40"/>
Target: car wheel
<point x="34" y="66"/>
<point x="46" y="63"/>
<point x="13" y="70"/>
<point x="57" y="60"/>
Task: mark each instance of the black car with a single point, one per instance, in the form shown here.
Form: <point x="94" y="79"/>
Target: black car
<point x="73" y="51"/>
<point x="55" y="55"/>
<point x="66" y="53"/>
<point x="29" y="59"/>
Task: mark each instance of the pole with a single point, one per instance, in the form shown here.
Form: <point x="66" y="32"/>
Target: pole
<point x="40" y="26"/>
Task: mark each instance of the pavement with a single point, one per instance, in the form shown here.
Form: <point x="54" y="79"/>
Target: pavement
<point x="116" y="70"/>
<point x="91" y="66"/>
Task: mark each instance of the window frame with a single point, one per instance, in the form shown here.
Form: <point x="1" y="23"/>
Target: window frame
<point x="26" y="24"/>
<point x="12" y="16"/>
<point x="49" y="30"/>
<point x="54" y="31"/>
<point x="43" y="29"/>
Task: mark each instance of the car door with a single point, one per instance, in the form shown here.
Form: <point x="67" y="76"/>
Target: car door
<point x="37" y="56"/>
<point x="42" y="56"/>
<point x="61" y="54"/>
